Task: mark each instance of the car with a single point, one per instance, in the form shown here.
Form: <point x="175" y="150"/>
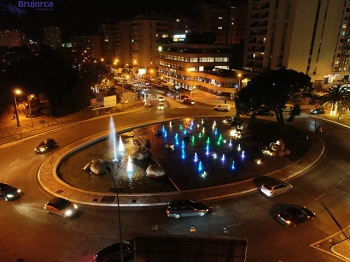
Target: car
<point x="8" y="192"/>
<point x="45" y="146"/>
<point x="147" y="103"/>
<point x="186" y="208"/>
<point x="60" y="206"/>
<point x="263" y="112"/>
<point x="294" y="215"/>
<point x="275" y="187"/>
<point x="317" y="111"/>
<point x="188" y="101"/>
<point x="160" y="98"/>
<point x="223" y="107"/>
<point x="161" y="106"/>
<point x="112" y="253"/>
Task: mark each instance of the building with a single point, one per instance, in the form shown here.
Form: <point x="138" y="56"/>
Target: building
<point x="52" y="37"/>
<point x="225" y="21"/>
<point x="294" y="34"/>
<point x="174" y="248"/>
<point x="10" y="38"/>
<point x="192" y="64"/>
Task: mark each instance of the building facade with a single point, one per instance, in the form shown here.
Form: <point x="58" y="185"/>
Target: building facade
<point x="294" y="34"/>
<point x="10" y="38"/>
<point x="190" y="66"/>
<point x="52" y="36"/>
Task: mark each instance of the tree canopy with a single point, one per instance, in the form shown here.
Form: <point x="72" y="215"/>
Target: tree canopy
<point x="272" y="89"/>
<point x="337" y="96"/>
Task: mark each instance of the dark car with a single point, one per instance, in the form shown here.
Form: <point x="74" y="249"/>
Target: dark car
<point x="61" y="207"/>
<point x="263" y="112"/>
<point x="8" y="192"/>
<point x="186" y="208"/>
<point x="112" y="253"/>
<point x="317" y="111"/>
<point x="188" y="101"/>
<point x="295" y="215"/>
<point x="45" y="146"/>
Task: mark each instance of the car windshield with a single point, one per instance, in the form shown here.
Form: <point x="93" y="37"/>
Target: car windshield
<point x="267" y="186"/>
<point x="61" y="204"/>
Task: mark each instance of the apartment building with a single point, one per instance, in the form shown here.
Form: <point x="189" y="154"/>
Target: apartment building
<point x="190" y="65"/>
<point x="10" y="38"/>
<point x="294" y="34"/>
<point x="52" y="36"/>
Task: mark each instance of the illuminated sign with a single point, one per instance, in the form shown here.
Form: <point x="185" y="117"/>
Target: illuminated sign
<point x="179" y="38"/>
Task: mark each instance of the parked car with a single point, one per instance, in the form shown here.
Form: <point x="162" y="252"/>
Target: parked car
<point x="186" y="208"/>
<point x="61" y="207"/>
<point x="45" y="146"/>
<point x="294" y="215"/>
<point x="112" y="253"/>
<point x="223" y="107"/>
<point x="317" y="111"/>
<point x="275" y="187"/>
<point x="8" y="192"/>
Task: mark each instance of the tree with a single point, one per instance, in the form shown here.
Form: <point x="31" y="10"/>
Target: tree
<point x="272" y="89"/>
<point x="338" y="97"/>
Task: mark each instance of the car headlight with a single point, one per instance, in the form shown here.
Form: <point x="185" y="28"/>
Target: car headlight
<point x="10" y="195"/>
<point x="68" y="212"/>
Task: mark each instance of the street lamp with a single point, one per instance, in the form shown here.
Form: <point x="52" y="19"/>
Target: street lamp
<point x="17" y="91"/>
<point x="239" y="81"/>
<point x="30" y="109"/>
<point x="110" y="171"/>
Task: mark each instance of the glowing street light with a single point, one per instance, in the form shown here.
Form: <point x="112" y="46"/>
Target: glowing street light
<point x="239" y="81"/>
<point x="30" y="109"/>
<point x="17" y="91"/>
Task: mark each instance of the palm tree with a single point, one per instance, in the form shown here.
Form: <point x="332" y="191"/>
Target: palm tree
<point x="337" y="97"/>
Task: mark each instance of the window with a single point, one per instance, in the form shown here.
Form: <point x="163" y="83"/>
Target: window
<point x="343" y="26"/>
<point x="342" y="32"/>
<point x="193" y="59"/>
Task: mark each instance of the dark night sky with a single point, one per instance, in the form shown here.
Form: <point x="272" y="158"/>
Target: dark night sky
<point x="82" y="17"/>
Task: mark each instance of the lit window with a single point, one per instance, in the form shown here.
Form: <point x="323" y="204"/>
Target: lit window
<point x="337" y="62"/>
<point x="342" y="33"/>
<point x="344" y="26"/>
<point x="253" y="55"/>
<point x="264" y="40"/>
<point x="220" y="18"/>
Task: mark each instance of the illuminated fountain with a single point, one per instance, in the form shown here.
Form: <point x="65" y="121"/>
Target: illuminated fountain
<point x="233" y="165"/>
<point x="129" y="165"/>
<point x="183" y="154"/>
<point x="113" y="138"/>
<point x="195" y="157"/>
<point x="242" y="156"/>
<point x="183" y="144"/>
<point x="223" y="158"/>
<point x="200" y="166"/>
<point x="208" y="140"/>
<point x="121" y="145"/>
<point x="239" y="147"/>
<point x="170" y="124"/>
<point x="230" y="144"/>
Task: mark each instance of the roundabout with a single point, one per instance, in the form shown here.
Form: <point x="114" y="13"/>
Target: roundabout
<point x="206" y="163"/>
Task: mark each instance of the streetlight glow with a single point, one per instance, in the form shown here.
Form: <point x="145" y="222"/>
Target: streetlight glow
<point x="17" y="91"/>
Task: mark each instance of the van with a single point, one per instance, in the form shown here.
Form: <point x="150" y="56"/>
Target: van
<point x="160" y="98"/>
<point x="222" y="107"/>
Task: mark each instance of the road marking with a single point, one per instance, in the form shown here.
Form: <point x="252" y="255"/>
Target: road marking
<point x="320" y="196"/>
<point x="341" y="180"/>
<point x="235" y="225"/>
<point x="14" y="161"/>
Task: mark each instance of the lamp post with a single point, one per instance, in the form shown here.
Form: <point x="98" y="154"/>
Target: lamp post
<point x="239" y="81"/>
<point x="17" y="91"/>
<point x="30" y="109"/>
<point x="110" y="171"/>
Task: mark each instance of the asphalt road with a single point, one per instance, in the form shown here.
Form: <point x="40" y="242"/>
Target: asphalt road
<point x="28" y="233"/>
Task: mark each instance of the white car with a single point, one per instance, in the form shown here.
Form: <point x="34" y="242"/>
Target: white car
<point x="275" y="187"/>
<point x="161" y="106"/>
<point x="160" y="98"/>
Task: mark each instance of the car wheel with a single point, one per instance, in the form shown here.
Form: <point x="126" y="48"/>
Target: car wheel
<point x="47" y="211"/>
<point x="312" y="218"/>
<point x="6" y="199"/>
<point x="177" y="216"/>
<point x="294" y="225"/>
<point x="273" y="195"/>
<point x="201" y="214"/>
